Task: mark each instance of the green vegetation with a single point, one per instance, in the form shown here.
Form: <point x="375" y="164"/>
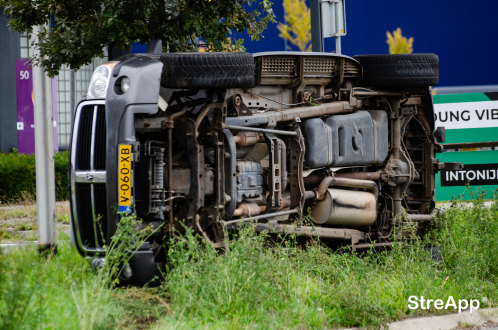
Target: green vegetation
<point x="83" y="29"/>
<point x="28" y="211"/>
<point x="18" y="177"/>
<point x="399" y="44"/>
<point x="297" y="29"/>
<point x="63" y="218"/>
<point x="261" y="284"/>
<point x="59" y="291"/>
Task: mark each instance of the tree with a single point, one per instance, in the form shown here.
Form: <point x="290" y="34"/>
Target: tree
<point x="399" y="44"/>
<point x="297" y="30"/>
<point x="82" y="28"/>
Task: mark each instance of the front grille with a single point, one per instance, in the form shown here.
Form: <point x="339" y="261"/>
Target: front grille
<point x="100" y="139"/>
<point x="101" y="212"/>
<point x="84" y="199"/>
<point x="89" y="199"/>
<point x="84" y="138"/>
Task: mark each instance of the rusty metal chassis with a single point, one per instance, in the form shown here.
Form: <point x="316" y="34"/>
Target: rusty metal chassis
<point x="213" y="124"/>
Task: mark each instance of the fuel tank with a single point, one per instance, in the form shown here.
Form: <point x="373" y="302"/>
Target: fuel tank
<point x="356" y="139"/>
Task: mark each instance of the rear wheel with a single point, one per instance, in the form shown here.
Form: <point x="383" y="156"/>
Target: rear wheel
<point x="207" y="70"/>
<point x="399" y="70"/>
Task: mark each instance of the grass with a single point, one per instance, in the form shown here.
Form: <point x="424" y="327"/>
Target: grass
<point x="465" y="325"/>
<point x="58" y="292"/>
<point x="25" y="227"/>
<point x="261" y="284"/>
<point x="28" y="210"/>
<point x="24" y="215"/>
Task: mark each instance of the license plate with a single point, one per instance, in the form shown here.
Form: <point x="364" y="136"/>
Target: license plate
<point x="124" y="179"/>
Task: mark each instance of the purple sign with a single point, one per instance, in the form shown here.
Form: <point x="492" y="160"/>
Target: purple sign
<point x="25" y="109"/>
<point x="25" y="114"/>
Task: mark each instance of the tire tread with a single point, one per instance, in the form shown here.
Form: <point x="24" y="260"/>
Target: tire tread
<point x="400" y="70"/>
<point x="207" y="70"/>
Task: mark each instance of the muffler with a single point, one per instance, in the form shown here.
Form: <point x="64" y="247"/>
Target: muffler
<point x="345" y="208"/>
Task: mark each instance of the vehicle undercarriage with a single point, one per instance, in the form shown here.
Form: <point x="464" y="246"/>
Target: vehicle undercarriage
<point x="269" y="138"/>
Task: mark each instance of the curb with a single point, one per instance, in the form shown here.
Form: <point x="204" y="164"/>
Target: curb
<point x="444" y="322"/>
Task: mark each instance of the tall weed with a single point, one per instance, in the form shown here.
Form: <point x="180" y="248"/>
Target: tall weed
<point x="287" y="286"/>
<point x="260" y="282"/>
<point x="61" y="291"/>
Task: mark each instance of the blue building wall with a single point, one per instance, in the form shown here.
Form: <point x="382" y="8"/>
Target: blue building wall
<point x="464" y="34"/>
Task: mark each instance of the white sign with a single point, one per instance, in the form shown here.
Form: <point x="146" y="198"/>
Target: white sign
<point x="466" y="114"/>
<point x="333" y="18"/>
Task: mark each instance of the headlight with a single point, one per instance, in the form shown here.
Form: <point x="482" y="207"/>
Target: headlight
<point x="100" y="81"/>
<point x="125" y="84"/>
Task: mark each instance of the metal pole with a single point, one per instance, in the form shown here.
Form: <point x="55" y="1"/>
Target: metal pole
<point x="72" y="104"/>
<point x="338" y="15"/>
<point x="44" y="156"/>
<point x="338" y="45"/>
<point x="72" y="92"/>
<point x="316" y="26"/>
<point x="261" y="130"/>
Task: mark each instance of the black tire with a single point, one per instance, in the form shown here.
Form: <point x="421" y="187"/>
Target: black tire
<point x="435" y="252"/>
<point x="207" y="70"/>
<point x="399" y="70"/>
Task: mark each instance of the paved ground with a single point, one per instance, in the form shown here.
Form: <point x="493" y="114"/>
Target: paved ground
<point x="480" y="319"/>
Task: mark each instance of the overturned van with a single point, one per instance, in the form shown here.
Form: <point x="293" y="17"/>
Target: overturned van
<point x="211" y="141"/>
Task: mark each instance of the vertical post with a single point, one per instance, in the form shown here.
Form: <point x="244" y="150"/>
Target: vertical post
<point x="44" y="156"/>
<point x="72" y="105"/>
<point x="340" y="23"/>
<point x="338" y="45"/>
<point x="72" y="92"/>
<point x="316" y="26"/>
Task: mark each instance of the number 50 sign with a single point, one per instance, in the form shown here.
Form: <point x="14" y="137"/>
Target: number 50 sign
<point x="24" y="74"/>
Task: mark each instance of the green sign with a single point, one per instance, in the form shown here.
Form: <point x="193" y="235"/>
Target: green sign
<point x="480" y="168"/>
<point x="467" y="118"/>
